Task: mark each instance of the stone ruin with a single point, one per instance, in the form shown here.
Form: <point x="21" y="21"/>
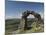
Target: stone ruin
<point x="23" y="23"/>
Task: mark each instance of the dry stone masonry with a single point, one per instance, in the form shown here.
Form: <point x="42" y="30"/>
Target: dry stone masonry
<point x="23" y="23"/>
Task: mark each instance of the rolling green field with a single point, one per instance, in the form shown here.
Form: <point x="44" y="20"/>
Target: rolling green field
<point x="12" y="25"/>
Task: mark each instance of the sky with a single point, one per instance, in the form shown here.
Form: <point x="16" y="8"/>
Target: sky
<point x="14" y="9"/>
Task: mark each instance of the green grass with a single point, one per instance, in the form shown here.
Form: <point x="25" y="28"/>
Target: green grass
<point x="11" y="25"/>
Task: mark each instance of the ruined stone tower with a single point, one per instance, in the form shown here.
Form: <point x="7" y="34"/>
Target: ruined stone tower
<point x="23" y="23"/>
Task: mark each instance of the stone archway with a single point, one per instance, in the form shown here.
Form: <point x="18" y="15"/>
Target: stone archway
<point x="23" y="23"/>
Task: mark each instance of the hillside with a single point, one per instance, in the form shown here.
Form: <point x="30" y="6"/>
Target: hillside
<point x="11" y="25"/>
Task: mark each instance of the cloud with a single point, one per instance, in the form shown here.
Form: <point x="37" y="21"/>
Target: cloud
<point x="16" y="16"/>
<point x="30" y="16"/>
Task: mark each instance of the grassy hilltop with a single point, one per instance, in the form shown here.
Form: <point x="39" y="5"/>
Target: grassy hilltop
<point x="13" y="24"/>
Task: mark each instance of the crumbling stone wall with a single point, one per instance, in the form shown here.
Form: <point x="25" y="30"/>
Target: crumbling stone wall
<point x="23" y="23"/>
